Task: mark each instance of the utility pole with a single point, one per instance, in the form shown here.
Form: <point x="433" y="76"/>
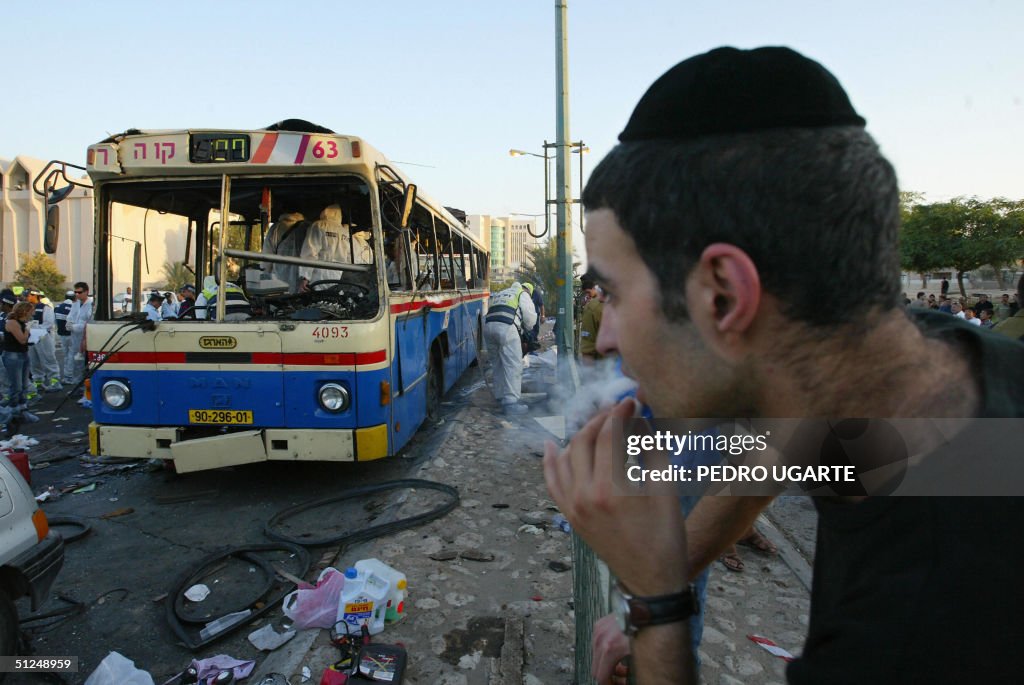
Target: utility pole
<point x="567" y="375"/>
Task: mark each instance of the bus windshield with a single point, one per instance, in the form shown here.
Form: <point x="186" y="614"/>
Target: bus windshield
<point x="295" y="248"/>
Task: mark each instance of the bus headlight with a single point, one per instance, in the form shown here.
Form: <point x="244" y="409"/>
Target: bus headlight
<point x="333" y="397"/>
<point x="116" y="394"/>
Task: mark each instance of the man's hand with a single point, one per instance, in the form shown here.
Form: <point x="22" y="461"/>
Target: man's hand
<point x="639" y="535"/>
<point x="608" y="646"/>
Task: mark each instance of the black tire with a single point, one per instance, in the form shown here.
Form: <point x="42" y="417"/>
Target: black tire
<point x="9" y="632"/>
<point x="435" y="387"/>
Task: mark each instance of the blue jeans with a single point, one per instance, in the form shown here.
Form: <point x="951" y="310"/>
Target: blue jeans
<point x="16" y="365"/>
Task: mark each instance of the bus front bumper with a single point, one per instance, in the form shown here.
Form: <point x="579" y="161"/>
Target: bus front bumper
<point x="242" y="447"/>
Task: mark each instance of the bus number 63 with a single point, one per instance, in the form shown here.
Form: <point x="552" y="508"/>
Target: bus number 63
<point x="330" y="332"/>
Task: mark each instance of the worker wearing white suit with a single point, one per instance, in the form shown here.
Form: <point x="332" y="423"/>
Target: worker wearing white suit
<point x="509" y="313"/>
<point x="78" y="317"/>
<point x="327" y="241"/>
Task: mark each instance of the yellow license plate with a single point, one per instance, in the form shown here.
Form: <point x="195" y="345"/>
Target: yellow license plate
<point x="219" y="416"/>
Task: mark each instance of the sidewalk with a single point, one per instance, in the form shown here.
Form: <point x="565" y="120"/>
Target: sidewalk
<point x="510" y="619"/>
<point x="468" y="620"/>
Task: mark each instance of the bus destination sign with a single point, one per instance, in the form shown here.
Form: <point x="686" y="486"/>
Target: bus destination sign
<point x="207" y="148"/>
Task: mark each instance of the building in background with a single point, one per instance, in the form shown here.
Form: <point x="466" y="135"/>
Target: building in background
<point x="23" y="218"/>
<point x="509" y="238"/>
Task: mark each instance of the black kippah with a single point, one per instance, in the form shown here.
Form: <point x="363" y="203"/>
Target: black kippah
<point x="736" y="91"/>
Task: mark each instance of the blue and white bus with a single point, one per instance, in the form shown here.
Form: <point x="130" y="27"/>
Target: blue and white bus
<point x="344" y="366"/>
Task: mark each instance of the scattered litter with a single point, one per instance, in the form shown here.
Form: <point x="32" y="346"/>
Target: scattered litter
<point x="60" y="418"/>
<point x="316" y="607"/>
<point x="552" y="424"/>
<point x="116" y="669"/>
<point x="771" y="647"/>
<point x="85" y="488"/>
<point x="159" y="598"/>
<point x="197" y="593"/>
<point x="559" y="566"/>
<point x="531" y="530"/>
<point x="499" y="505"/>
<point x="537" y="598"/>
<point x="476" y="555"/>
<point x="17" y="442"/>
<point x="113" y="499"/>
<point x="306" y="674"/>
<point x="561" y="523"/>
<point x="43" y="413"/>
<point x="223" y="624"/>
<point x="215" y="665"/>
<point x="47" y="494"/>
<point x="268" y="639"/>
<point x="444" y="555"/>
<point x="78" y="433"/>
<point x="123" y="511"/>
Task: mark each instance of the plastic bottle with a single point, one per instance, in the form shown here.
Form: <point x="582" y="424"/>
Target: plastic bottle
<point x="561" y="523"/>
<point x="397" y="587"/>
<point x="363" y="601"/>
<point x="221" y="624"/>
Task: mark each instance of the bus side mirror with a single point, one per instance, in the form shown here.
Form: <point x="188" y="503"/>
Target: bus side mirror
<point x="51" y="233"/>
<point x="408" y="201"/>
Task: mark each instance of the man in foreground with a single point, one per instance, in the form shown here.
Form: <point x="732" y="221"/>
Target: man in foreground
<point x="734" y="169"/>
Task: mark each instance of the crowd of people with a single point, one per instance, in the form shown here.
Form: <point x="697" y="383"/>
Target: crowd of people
<point x="979" y="311"/>
<point x="32" y="328"/>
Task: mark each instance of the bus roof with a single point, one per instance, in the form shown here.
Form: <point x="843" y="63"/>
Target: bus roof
<point x="287" y="147"/>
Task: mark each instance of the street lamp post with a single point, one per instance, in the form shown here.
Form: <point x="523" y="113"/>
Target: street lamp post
<point x="578" y="148"/>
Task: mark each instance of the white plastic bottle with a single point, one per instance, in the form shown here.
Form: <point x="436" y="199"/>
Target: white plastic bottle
<point x="363" y="601"/>
<point x="397" y="587"/>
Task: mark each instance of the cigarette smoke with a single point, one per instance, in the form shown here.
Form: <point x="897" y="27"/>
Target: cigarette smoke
<point x="601" y="387"/>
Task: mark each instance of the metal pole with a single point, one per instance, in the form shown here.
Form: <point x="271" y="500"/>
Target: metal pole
<point x="566" y="327"/>
<point x="222" y="271"/>
<point x="547" y="193"/>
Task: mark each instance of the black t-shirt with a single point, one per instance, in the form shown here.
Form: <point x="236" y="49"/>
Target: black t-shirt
<point x="11" y="343"/>
<point x="924" y="589"/>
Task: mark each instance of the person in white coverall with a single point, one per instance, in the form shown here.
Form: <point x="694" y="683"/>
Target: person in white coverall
<point x="43" y="354"/>
<point x="285" y="238"/>
<point x="326" y="241"/>
<point x="78" y="317"/>
<point x="510" y="312"/>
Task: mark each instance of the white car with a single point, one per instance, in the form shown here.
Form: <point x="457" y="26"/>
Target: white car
<point x="31" y="555"/>
<point x="121" y="304"/>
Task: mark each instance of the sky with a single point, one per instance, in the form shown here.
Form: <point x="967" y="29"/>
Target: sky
<point x="447" y="87"/>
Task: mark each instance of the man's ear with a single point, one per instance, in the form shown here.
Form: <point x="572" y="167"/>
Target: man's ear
<point x="724" y="290"/>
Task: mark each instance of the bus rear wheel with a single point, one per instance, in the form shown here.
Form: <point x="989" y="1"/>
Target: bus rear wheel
<point x="435" y="383"/>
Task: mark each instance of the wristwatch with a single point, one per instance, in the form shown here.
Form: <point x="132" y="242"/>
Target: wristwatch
<point x="634" y="613"/>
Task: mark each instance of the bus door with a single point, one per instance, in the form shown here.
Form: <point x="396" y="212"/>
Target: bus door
<point x="219" y="376"/>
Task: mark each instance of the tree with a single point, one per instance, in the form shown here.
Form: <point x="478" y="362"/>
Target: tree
<point x="176" y="275"/>
<point x="40" y="272"/>
<point x="543" y="270"/>
<point x="965" y="233"/>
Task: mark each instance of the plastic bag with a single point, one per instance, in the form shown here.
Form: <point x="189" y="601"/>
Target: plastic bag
<point x="116" y="669"/>
<point x="316" y="607"/>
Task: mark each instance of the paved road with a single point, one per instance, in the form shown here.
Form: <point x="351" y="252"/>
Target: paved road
<point x="128" y="562"/>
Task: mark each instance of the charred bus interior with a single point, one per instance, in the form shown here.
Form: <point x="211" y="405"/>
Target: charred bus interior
<point x="300" y="249"/>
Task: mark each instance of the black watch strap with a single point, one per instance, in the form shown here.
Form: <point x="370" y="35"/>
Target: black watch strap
<point x="660" y="609"/>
